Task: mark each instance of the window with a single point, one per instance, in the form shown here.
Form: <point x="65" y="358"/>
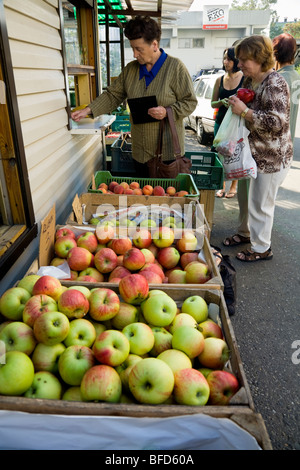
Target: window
<point x="190" y="43"/>
<point x="113" y="69"/>
<point x="165" y="43"/>
<point x="17" y="223"/>
<point x="80" y="33"/>
<point x="200" y="88"/>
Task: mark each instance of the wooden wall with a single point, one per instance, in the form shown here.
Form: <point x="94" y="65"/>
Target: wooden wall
<point x="59" y="164"/>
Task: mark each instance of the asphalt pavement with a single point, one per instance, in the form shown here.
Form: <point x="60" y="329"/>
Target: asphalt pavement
<point x="267" y="320"/>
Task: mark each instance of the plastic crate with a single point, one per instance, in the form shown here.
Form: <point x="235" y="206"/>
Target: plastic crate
<point x="121" y="123"/>
<point x="121" y="156"/>
<point x="207" y="170"/>
<point x="182" y="182"/>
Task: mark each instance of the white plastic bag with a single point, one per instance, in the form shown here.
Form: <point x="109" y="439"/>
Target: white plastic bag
<point x="232" y="145"/>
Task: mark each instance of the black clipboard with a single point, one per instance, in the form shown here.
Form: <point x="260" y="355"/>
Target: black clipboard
<point x="139" y="109"/>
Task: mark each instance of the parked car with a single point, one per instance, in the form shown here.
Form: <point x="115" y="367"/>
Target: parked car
<point x="202" y="120"/>
<point x="205" y="72"/>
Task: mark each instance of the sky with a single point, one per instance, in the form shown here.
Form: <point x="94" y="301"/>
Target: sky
<point x="284" y="8"/>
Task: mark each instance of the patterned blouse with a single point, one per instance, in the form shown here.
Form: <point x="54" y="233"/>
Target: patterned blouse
<point x="270" y="139"/>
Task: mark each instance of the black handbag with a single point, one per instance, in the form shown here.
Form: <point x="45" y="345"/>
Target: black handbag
<point x="181" y="164"/>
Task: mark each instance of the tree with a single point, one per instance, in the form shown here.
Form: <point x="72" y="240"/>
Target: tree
<point x="256" y="5"/>
<point x="293" y="29"/>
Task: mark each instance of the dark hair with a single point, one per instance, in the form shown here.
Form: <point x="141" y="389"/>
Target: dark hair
<point x="143" y="27"/>
<point x="231" y="56"/>
<point x="284" y="47"/>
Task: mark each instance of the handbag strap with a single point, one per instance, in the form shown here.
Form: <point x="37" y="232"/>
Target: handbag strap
<point x="175" y="139"/>
<point x="176" y="145"/>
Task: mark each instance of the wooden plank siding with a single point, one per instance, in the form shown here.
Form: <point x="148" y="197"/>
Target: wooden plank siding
<point x="59" y="164"/>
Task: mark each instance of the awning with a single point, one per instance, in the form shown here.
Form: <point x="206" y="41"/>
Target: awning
<point x="120" y="11"/>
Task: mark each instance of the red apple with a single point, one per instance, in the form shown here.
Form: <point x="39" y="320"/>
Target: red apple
<point x="73" y="303"/>
<point x="104" y="304"/>
<point x="88" y="240"/>
<point x="104" y="233"/>
<point x="79" y="258"/>
<point x="134" y="289"/>
<point x="168" y="257"/>
<point x="48" y="285"/>
<point x="153" y="267"/>
<point x="188" y="242"/>
<point x="63" y="232"/>
<point x="188" y="257"/>
<point x="133" y="259"/>
<point x="101" y="383"/>
<point x="117" y="273"/>
<point x="223" y="385"/>
<point x="105" y="260"/>
<point x="151" y="277"/>
<point x="209" y="328"/>
<point x="121" y="245"/>
<point x="142" y="238"/>
<point x="36" y="306"/>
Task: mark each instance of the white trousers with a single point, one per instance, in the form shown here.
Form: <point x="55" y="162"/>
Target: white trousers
<point x="256" y="198"/>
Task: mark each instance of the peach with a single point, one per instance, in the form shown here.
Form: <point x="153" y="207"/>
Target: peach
<point x="182" y="193"/>
<point x="138" y="192"/>
<point x="158" y="191"/>
<point x="171" y="191"/>
<point x="124" y="184"/>
<point x="118" y="189"/>
<point x="147" y="190"/>
<point x="128" y="191"/>
<point x="134" y="185"/>
<point x="111" y="185"/>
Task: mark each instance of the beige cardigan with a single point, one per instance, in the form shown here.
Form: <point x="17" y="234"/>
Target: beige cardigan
<point x="172" y="87"/>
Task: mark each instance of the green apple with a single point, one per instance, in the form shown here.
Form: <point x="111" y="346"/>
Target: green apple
<point x="127" y="314"/>
<point x="99" y="327"/>
<point x="182" y="319"/>
<point x="169" y="221"/>
<point x="163" y="237"/>
<point x="16" y="374"/>
<point x="215" y="353"/>
<point x="196" y="306"/>
<point x="175" y="359"/>
<point x="162" y="340"/>
<point x="44" y="386"/>
<point x="85" y="290"/>
<point x="191" y="388"/>
<point x="81" y="332"/>
<point x="51" y="328"/>
<point x="12" y="303"/>
<point x="72" y="394"/>
<point x="46" y="357"/>
<point x="189" y="340"/>
<point x="159" y="310"/>
<point x="101" y="383"/>
<point x="151" y="381"/>
<point x="17" y="336"/>
<point x="74" y="362"/>
<point x="124" y="369"/>
<point x="27" y="282"/>
<point x="149" y="223"/>
<point x="140" y="336"/>
<point x="112" y="347"/>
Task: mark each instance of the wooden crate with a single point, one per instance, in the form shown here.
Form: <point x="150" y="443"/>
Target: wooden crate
<point x="240" y="410"/>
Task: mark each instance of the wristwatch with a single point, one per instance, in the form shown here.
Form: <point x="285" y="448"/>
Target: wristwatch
<point x="243" y="114"/>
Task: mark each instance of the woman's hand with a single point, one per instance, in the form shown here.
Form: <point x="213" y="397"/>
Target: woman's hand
<point x="80" y="114"/>
<point x="158" y="112"/>
<point x="224" y="102"/>
<point x="236" y="104"/>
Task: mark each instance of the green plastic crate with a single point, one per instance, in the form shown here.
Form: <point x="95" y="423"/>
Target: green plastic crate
<point x="182" y="182"/>
<point x="207" y="170"/>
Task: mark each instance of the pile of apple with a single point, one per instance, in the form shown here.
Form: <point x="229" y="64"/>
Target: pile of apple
<point x="134" y="188"/>
<point x="136" y="345"/>
<point x="99" y="256"/>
